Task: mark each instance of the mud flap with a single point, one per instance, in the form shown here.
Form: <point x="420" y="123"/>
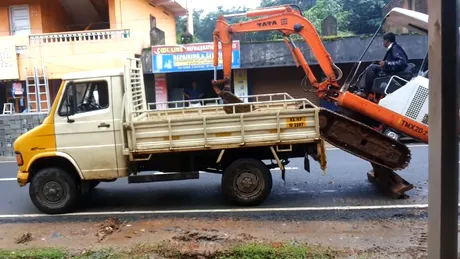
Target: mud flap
<point x="393" y="185"/>
<point x="306" y="163"/>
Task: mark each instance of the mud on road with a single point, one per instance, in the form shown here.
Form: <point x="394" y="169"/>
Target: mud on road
<point x="401" y="238"/>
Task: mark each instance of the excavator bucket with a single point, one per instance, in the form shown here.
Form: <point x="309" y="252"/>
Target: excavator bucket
<point x="228" y="97"/>
<point x="390" y="183"/>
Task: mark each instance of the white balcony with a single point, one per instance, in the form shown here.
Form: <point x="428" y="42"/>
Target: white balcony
<point x="79" y="36"/>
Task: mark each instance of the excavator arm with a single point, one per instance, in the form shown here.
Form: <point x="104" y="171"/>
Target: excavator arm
<point x="288" y="21"/>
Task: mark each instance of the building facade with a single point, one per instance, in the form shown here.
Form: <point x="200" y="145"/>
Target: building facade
<point x="260" y="68"/>
<point x="41" y="40"/>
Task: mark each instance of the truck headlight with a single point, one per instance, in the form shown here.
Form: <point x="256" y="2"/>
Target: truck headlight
<point x="19" y="160"/>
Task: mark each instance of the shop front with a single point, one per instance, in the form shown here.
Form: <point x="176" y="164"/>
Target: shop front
<point x="11" y="89"/>
<point x="184" y="72"/>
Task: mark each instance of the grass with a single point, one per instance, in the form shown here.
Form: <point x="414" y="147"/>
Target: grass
<point x="280" y="251"/>
<point x="48" y="253"/>
<point x="246" y="251"/>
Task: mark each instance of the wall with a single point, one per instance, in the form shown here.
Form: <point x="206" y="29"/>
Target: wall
<point x="276" y="54"/>
<point x="135" y="15"/>
<point x="35" y="15"/>
<point x="54" y="17"/>
<point x="45" y="16"/>
<point x="288" y="80"/>
<point x="12" y="126"/>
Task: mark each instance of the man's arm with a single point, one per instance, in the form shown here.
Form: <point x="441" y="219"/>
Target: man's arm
<point x="184" y="92"/>
<point x="397" y="60"/>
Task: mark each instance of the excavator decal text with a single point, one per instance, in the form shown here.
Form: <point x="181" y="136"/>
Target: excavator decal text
<point x="413" y="127"/>
<point x="265" y="24"/>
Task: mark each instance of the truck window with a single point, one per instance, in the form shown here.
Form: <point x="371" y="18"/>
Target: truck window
<point x="90" y="96"/>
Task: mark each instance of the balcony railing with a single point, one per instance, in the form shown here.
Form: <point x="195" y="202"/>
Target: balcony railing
<point x="77" y="36"/>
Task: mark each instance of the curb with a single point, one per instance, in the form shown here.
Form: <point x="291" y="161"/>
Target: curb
<point x="7" y="159"/>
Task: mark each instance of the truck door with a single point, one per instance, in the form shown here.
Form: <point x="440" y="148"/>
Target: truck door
<point x="84" y="127"/>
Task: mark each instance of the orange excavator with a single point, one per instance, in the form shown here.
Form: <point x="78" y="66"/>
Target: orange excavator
<point x="385" y="153"/>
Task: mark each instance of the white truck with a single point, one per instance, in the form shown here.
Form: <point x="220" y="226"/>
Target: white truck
<point x="100" y="129"/>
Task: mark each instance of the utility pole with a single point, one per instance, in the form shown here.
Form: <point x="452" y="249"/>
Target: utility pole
<point x="444" y="123"/>
<point x="189" y="7"/>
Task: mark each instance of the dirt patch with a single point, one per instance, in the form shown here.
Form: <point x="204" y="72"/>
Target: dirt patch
<point x="195" y="238"/>
<point x="108" y="227"/>
<point x="23" y="238"/>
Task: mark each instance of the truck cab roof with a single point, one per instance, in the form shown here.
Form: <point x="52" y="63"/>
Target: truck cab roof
<point x="93" y="74"/>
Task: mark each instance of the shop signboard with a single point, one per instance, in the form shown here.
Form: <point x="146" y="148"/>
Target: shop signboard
<point x="8" y="60"/>
<point x="161" y="91"/>
<point x="240" y="82"/>
<point x="190" y="57"/>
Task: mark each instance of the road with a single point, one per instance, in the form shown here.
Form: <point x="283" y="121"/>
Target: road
<point x="345" y="184"/>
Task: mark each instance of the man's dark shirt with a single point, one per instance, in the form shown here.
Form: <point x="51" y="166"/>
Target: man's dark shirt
<point x="193" y="94"/>
<point x="395" y="59"/>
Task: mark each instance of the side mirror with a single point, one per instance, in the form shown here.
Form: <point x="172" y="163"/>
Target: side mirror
<point x="70" y="103"/>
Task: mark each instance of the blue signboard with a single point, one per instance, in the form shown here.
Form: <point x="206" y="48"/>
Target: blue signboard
<point x="190" y="57"/>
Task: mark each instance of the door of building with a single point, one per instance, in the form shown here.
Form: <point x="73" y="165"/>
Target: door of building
<point x="19" y="20"/>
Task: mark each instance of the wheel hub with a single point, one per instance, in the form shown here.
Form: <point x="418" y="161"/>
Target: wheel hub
<point x="53" y="191"/>
<point x="247" y="182"/>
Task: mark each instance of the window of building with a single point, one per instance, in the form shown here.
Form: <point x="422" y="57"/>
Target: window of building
<point x="84" y="97"/>
<point x="19" y="20"/>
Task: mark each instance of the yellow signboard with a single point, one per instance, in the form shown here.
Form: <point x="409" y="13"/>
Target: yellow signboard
<point x="296" y="122"/>
<point x="8" y="60"/>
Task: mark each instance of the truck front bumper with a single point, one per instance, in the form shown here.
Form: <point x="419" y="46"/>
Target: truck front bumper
<point x="22" y="178"/>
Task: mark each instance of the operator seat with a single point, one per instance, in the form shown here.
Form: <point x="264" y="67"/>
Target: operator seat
<point x="381" y="82"/>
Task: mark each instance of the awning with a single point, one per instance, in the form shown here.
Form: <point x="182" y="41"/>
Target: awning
<point x="172" y="5"/>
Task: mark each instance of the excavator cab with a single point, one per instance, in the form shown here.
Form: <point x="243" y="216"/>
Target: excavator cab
<point x="386" y="84"/>
<point x="400" y="91"/>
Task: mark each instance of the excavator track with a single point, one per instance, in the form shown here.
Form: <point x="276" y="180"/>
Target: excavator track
<point x="363" y="141"/>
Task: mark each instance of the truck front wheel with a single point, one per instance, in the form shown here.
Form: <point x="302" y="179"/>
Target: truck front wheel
<point x="53" y="191"/>
<point x="247" y="182"/>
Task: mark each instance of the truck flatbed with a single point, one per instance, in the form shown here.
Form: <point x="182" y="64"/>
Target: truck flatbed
<point x="274" y="119"/>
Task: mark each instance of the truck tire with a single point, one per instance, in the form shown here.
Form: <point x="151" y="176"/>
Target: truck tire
<point x="247" y="182"/>
<point x="53" y="191"/>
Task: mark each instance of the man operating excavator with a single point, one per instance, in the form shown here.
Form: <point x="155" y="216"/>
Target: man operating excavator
<point x="395" y="61"/>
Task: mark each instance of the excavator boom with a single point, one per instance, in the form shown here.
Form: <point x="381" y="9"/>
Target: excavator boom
<point x="343" y="132"/>
<point x="288" y="21"/>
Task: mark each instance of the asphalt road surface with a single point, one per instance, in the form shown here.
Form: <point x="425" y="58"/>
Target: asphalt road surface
<point x="345" y="184"/>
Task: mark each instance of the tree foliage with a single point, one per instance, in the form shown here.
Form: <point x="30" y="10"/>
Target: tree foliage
<point x="324" y="8"/>
<point x="364" y="15"/>
<point x="353" y="16"/>
<point x="302" y="4"/>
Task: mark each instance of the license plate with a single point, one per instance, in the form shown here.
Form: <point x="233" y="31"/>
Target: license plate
<point x="296" y="122"/>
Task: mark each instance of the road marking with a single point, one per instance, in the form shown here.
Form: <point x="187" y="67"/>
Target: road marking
<point x="287" y="168"/>
<point x="7" y="162"/>
<point x="159" y="212"/>
<point x="8" y="179"/>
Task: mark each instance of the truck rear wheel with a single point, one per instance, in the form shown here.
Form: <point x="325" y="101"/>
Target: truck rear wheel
<point x="53" y="191"/>
<point x="247" y="182"/>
